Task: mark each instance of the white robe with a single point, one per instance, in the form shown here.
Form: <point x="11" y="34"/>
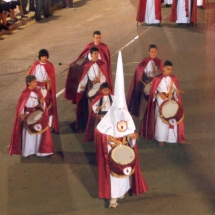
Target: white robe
<point x="106" y="104"/>
<point x="199" y="2"/>
<point x="167" y="1"/>
<point x="31" y="142"/>
<point x="150" y="17"/>
<point x="162" y="131"/>
<point x="181" y="13"/>
<point x="151" y="69"/>
<point x="41" y="75"/>
<point x="119" y="186"/>
<point x="92" y="74"/>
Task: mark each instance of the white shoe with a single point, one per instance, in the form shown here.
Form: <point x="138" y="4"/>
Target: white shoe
<point x="113" y="204"/>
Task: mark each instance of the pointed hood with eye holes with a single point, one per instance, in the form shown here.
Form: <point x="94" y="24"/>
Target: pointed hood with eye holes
<point x="118" y="121"/>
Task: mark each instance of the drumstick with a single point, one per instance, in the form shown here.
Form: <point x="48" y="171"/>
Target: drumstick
<point x="66" y="64"/>
<point x="142" y="81"/>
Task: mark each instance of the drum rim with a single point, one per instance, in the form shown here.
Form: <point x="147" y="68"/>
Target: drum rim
<point x="26" y="120"/>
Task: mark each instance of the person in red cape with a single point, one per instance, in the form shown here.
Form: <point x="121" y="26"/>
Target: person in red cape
<point x="76" y="68"/>
<point x="22" y="141"/>
<point x="93" y="75"/>
<point x="144" y="73"/>
<point x="44" y="71"/>
<point x="98" y="108"/>
<point x="184" y="11"/>
<point x="115" y="132"/>
<point x="165" y="87"/>
<point x="149" y="11"/>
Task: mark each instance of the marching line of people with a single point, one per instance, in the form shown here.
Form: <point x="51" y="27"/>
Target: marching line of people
<point x="104" y="113"/>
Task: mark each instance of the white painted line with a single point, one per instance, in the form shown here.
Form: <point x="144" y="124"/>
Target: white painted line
<point x="61" y="92"/>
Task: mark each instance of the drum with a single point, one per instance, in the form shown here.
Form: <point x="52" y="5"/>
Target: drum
<point x="171" y="109"/>
<point x="146" y="88"/>
<point x="37" y="122"/>
<point x="93" y="91"/>
<point x="122" y="161"/>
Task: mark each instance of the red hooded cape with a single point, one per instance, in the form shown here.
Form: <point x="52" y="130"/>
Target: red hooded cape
<point x="51" y="74"/>
<point x="193" y="17"/>
<point x="141" y="11"/>
<point x="147" y="128"/>
<point x="82" y="99"/>
<point x="46" y="146"/>
<point x="138" y="183"/>
<point x="76" y="69"/>
<point x="136" y="86"/>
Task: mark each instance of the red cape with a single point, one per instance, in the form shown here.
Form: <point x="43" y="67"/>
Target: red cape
<point x="51" y="74"/>
<point x="82" y="99"/>
<point x="193" y="17"/>
<point x="136" y="86"/>
<point x="76" y="69"/>
<point x="138" y="183"/>
<point x="141" y="11"/>
<point x="47" y="145"/>
<point x="147" y="128"/>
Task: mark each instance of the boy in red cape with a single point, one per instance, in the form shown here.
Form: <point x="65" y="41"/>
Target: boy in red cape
<point x="44" y="72"/>
<point x="98" y="108"/>
<point x="76" y="67"/>
<point x="116" y="132"/>
<point x="144" y="73"/>
<point x="164" y="87"/>
<point x="94" y="74"/>
<point x="22" y="141"/>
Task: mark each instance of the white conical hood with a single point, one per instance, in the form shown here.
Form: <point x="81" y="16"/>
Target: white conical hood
<point x="118" y="121"/>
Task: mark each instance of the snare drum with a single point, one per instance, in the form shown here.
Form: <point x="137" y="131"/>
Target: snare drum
<point x="93" y="91"/>
<point x="171" y="109"/>
<point x="37" y="122"/>
<point x="122" y="161"/>
<point x="146" y="89"/>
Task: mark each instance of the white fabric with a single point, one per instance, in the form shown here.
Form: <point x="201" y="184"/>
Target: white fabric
<point x="151" y="69"/>
<point x="106" y="104"/>
<point x="41" y="75"/>
<point x="118" y="111"/>
<point x="30" y="142"/>
<point x="199" y="2"/>
<point x="119" y="186"/>
<point x="162" y="131"/>
<point x="181" y="13"/>
<point x="150" y="17"/>
<point x="92" y="74"/>
<point x="167" y="2"/>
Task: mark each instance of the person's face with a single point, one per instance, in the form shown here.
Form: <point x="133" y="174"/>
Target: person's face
<point x="97" y="39"/>
<point x="105" y="91"/>
<point x="167" y="70"/>
<point x="153" y="53"/>
<point x="43" y="59"/>
<point x="95" y="55"/>
<point x="32" y="84"/>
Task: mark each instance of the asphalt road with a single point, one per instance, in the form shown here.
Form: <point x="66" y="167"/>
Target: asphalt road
<point x="180" y="178"/>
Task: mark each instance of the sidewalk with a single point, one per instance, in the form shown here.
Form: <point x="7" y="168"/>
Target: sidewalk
<point x="56" y="5"/>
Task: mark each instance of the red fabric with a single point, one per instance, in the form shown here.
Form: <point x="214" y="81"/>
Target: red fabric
<point x="81" y="98"/>
<point x="147" y="128"/>
<point x="138" y="184"/>
<point x="51" y="74"/>
<point x="76" y="68"/>
<point x="136" y="86"/>
<point x="16" y="137"/>
<point x="141" y="11"/>
<point x="193" y="17"/>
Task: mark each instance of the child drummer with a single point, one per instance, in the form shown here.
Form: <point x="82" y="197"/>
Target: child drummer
<point x="24" y="141"/>
<point x="98" y="108"/>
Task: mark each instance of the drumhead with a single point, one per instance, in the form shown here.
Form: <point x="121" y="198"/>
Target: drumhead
<point x="123" y="154"/>
<point x="94" y="90"/>
<point x="34" y="117"/>
<point x="170" y="108"/>
<point x="146" y="89"/>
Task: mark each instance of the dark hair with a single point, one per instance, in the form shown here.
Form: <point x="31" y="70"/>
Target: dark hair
<point x="105" y="85"/>
<point x="97" y="33"/>
<point x="94" y="49"/>
<point x="42" y="53"/>
<point x="152" y="46"/>
<point x="29" y="78"/>
<point x="167" y="63"/>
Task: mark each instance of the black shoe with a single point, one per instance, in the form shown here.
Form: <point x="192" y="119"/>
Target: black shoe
<point x="24" y="17"/>
<point x="26" y="12"/>
<point x="5" y="28"/>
